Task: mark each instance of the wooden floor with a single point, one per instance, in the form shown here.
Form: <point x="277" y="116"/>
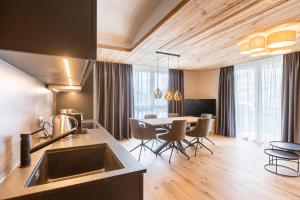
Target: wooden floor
<point x="234" y="172"/>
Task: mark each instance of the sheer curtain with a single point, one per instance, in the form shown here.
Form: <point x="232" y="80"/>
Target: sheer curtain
<point x="258" y="99"/>
<point x="144" y="84"/>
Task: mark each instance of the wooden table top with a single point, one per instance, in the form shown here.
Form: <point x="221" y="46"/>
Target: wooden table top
<point x="167" y="121"/>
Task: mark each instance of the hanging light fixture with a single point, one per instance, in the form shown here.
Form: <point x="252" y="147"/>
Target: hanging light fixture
<point x="157" y="92"/>
<point x="177" y="95"/>
<point x="280" y="51"/>
<point x="168" y="94"/>
<point x="276" y="41"/>
<point x="265" y="52"/>
<point x="280" y="39"/>
<point x="244" y="48"/>
<point x="257" y="44"/>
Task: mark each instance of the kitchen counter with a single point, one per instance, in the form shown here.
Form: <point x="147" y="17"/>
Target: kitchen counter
<point x="14" y="185"/>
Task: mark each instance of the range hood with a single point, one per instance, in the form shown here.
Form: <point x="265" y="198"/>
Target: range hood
<point x="39" y="36"/>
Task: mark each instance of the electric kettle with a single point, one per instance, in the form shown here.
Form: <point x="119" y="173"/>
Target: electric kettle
<point x="62" y="124"/>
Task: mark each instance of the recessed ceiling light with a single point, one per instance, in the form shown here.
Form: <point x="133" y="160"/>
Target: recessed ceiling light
<point x="67" y="68"/>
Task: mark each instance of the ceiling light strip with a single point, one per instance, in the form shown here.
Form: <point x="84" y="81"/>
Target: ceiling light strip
<point x="67" y="68"/>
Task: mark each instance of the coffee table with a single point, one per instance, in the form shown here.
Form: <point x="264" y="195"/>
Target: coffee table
<point x="283" y="151"/>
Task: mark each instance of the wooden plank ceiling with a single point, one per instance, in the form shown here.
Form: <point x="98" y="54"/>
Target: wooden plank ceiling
<point x="206" y="32"/>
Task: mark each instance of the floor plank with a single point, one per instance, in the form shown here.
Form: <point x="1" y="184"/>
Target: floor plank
<point x="234" y="172"/>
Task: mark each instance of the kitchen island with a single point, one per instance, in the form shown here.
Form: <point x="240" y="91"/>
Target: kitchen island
<point x="125" y="182"/>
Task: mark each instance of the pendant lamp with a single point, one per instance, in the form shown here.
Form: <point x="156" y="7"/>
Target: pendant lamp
<point x="177" y="95"/>
<point x="168" y="94"/>
<point x="157" y="92"/>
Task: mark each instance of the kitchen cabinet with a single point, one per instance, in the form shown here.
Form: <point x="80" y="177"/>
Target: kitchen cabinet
<point x="54" y="27"/>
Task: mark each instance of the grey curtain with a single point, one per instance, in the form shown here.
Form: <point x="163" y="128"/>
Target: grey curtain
<point x="114" y="97"/>
<point x="176" y="82"/>
<point x="226" y="103"/>
<point x="290" y="98"/>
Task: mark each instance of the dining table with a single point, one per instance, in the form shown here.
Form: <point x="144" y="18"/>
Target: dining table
<point x="166" y="123"/>
<point x="163" y="122"/>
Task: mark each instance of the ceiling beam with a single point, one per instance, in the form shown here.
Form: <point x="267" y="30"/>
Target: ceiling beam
<point x="147" y="34"/>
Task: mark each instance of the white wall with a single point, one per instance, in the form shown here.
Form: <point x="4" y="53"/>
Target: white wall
<point x="23" y="99"/>
<point x="201" y="84"/>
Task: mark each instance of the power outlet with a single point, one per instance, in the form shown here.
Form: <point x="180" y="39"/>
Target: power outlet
<point x="40" y="121"/>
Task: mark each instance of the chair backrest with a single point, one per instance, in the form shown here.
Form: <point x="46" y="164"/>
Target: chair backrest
<point x="178" y="130"/>
<point x="150" y="116"/>
<point x="141" y="133"/>
<point x="202" y="128"/>
<point x="135" y="128"/>
<point x="173" y="115"/>
<point x="206" y="115"/>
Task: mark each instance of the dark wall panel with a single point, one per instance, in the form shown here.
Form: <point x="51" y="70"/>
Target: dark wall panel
<point x="80" y="101"/>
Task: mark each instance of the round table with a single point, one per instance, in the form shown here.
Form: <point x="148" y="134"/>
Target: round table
<point x="288" y="146"/>
<point x="283" y="151"/>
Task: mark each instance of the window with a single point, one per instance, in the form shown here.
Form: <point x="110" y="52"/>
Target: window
<point x="258" y="99"/>
<point x="144" y="84"/>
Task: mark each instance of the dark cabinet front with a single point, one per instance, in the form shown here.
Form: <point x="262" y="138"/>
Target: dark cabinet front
<point x="54" y="27"/>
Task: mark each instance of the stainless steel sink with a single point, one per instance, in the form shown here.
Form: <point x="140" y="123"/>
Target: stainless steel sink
<point x="67" y="163"/>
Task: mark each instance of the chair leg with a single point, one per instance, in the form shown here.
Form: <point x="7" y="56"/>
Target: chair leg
<point x="142" y="145"/>
<point x="166" y="149"/>
<point x="178" y="148"/>
<point x="140" y="152"/>
<point x="207" y="148"/>
<point x="183" y="152"/>
<point x="158" y="140"/>
<point x="149" y="148"/>
<point x="196" y="147"/>
<point x="193" y="140"/>
<point x="171" y="153"/>
<point x="197" y="142"/>
<point x="192" y="144"/>
<point x="157" y="151"/>
<point x="209" y="140"/>
<point x="147" y="141"/>
<point x="136" y="147"/>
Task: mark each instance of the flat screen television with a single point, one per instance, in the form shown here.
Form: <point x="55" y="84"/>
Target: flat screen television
<point x="195" y="107"/>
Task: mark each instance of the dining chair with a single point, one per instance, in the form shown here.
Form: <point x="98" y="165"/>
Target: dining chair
<point x="208" y="116"/>
<point x="174" y="137"/>
<point x="157" y="130"/>
<point x="200" y="131"/>
<point x="143" y="133"/>
<point x="154" y="116"/>
<point x="173" y="115"/>
<point x="150" y="116"/>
